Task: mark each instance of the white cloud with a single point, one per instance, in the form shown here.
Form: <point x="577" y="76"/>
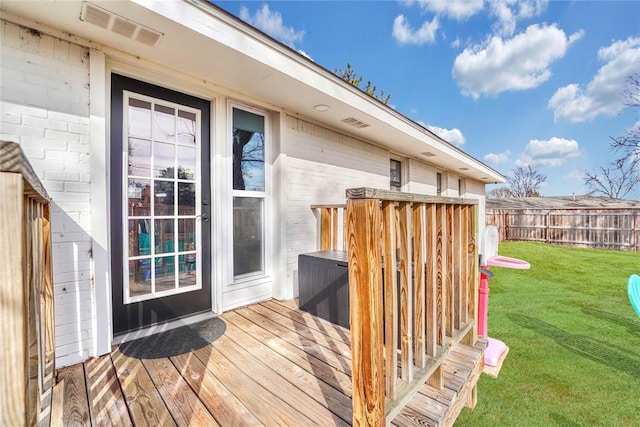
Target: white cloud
<point x="508" y="12"/>
<point x="576" y="176"/>
<point x="454" y="136"/>
<point x="456" y="9"/>
<point x="404" y="34"/>
<point x="552" y="152"/>
<point x="519" y="63"/>
<point x="497" y="158"/>
<point x="271" y="23"/>
<point x="572" y="103"/>
<point x="456" y="43"/>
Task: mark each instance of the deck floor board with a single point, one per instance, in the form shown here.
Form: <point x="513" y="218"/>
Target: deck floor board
<point x="274" y="365"/>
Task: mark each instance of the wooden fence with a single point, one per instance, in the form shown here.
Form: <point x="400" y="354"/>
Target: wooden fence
<point x="589" y="228"/>
<point x="26" y="293"/>
<point x="401" y="333"/>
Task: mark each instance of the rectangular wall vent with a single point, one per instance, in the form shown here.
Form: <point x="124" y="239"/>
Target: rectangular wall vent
<point x="119" y="25"/>
<point x="352" y="121"/>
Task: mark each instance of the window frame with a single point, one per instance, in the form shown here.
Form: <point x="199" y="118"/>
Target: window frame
<point x="248" y="278"/>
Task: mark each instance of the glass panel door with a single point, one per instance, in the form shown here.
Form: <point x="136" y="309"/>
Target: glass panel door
<point x="163" y="198"/>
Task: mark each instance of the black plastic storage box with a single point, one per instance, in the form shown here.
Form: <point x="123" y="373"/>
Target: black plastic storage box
<point x="323" y="280"/>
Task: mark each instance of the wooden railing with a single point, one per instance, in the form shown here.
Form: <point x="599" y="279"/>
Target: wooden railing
<point x="332" y="226"/>
<point x="413" y="294"/>
<point x="26" y="293"/>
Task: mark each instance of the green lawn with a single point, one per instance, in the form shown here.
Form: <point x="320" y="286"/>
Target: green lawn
<point x="574" y="340"/>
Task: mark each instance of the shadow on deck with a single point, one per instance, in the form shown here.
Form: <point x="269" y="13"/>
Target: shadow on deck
<point x="274" y="365"/>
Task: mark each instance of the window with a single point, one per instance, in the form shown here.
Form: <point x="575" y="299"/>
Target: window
<point x="395" y="174"/>
<point x="249" y="193"/>
<point x="461" y="187"/>
<point x="438" y="183"/>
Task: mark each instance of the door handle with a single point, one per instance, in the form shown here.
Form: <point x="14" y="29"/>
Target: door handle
<point x="204" y="217"/>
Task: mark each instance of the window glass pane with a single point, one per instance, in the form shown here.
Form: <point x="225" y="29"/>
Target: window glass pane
<point x="139" y="277"/>
<point x="186" y="128"/>
<point x="164" y="123"/>
<point x="247" y="236"/>
<point x="139" y="237"/>
<point x="139" y="118"/>
<point x="139" y="157"/>
<point x="163" y="198"/>
<point x="187" y="245"/>
<point x="139" y="197"/>
<point x="165" y="239"/>
<point x="248" y="151"/>
<point x="165" y="273"/>
<point x="186" y="199"/>
<point x="186" y="163"/>
<point x="187" y="234"/>
<point x="164" y="160"/>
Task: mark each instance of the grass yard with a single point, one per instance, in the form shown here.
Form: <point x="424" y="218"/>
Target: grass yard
<point x="574" y="340"/>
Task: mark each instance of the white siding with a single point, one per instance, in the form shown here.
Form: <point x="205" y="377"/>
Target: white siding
<point x="321" y="165"/>
<point x="44" y="100"/>
<point x="422" y="178"/>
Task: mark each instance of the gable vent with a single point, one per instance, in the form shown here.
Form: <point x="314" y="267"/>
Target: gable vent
<point x="352" y="121"/>
<point x="119" y="25"/>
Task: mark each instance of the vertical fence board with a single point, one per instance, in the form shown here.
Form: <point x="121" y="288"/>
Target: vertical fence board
<point x="365" y="293"/>
<point x="441" y="271"/>
<point x="325" y="229"/>
<point x="13" y="376"/>
<point x="450" y="268"/>
<point x="419" y="288"/>
<point x="406" y="294"/>
<point x="390" y="297"/>
<point x="431" y="326"/>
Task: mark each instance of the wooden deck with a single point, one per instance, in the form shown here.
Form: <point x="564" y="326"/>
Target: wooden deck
<point x="274" y="365"/>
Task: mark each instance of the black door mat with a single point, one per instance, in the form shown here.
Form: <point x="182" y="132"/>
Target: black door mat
<point x="176" y="341"/>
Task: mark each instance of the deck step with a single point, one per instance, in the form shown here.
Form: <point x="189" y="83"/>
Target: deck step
<point x="437" y="408"/>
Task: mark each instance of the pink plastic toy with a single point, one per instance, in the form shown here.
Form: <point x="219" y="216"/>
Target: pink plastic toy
<point x="489" y="257"/>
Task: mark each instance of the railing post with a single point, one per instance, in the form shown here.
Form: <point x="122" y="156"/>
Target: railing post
<point x="365" y="294"/>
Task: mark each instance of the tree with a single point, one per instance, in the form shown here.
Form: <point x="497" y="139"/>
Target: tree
<point x="622" y="176"/>
<point x="350" y="76"/>
<point x="629" y="143"/>
<point x="616" y="180"/>
<point x="524" y="182"/>
<point x="499" y="193"/>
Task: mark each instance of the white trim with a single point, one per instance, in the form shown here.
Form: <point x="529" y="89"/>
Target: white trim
<point x="99" y="150"/>
<point x="282" y="289"/>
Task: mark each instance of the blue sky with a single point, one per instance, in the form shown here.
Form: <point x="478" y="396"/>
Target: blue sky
<point x="513" y="83"/>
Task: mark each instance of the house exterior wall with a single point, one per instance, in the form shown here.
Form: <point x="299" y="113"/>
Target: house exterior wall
<point x="44" y="99"/>
<point x="321" y="165"/>
<point x="47" y="106"/>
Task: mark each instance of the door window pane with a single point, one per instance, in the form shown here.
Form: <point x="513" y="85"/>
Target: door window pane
<point x="140" y="277"/>
<point x="164" y="160"/>
<point x="139" y="197"/>
<point x="186" y="199"/>
<point x="163" y="198"/>
<point x="186" y="128"/>
<point x="164" y="123"/>
<point x="248" y="151"/>
<point x="186" y="163"/>
<point x="248" y="256"/>
<point x="139" y="118"/>
<point x="165" y="277"/>
<point x="165" y="239"/>
<point x="139" y="157"/>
